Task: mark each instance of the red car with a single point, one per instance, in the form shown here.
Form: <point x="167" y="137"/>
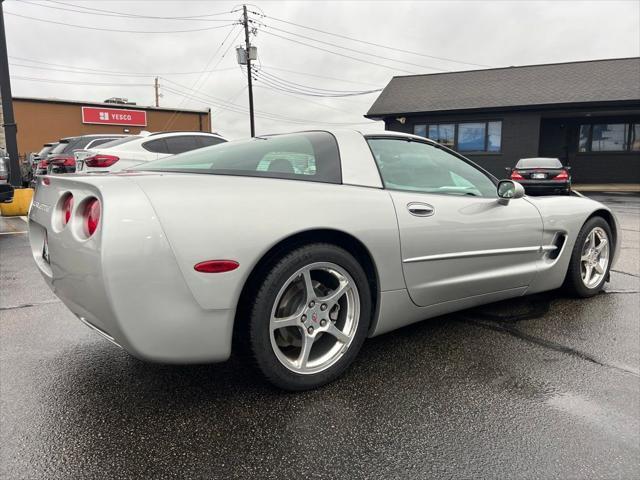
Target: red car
<point x="542" y="176"/>
<point x="61" y="159"/>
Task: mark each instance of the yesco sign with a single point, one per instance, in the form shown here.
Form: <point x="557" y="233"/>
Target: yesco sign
<point x="114" y="116"/>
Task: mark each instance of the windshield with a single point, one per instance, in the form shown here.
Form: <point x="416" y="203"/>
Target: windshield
<point x="539" y="163"/>
<point x="311" y="156"/>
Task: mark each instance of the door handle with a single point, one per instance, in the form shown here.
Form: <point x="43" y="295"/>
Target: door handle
<point x="420" y="209"/>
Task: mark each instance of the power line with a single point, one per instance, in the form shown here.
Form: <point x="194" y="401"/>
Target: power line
<point x="372" y="43"/>
<point x="175" y="116"/>
<point x="128" y="14"/>
<point x="339" y="54"/>
<point x="114" y="30"/>
<point x="70" y="82"/>
<point x="270" y="67"/>
<point x="233" y="98"/>
<point x="232" y="108"/>
<point x="110" y="13"/>
<point x="285" y="88"/>
<point x="308" y="90"/>
<point x="94" y="71"/>
<point x="355" y="51"/>
<point x="293" y="95"/>
<point x="259" y="113"/>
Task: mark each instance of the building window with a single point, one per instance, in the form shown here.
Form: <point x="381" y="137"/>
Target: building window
<point x="464" y="137"/>
<point x="443" y="133"/>
<point x="471" y="137"/>
<point x="634" y="143"/>
<point x="583" y="143"/>
<point x="494" y="136"/>
<point x="609" y="137"/>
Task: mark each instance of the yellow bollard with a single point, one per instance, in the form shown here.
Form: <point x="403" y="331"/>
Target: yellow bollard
<point x="20" y="205"/>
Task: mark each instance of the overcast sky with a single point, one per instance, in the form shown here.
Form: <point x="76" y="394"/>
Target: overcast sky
<point x="491" y="33"/>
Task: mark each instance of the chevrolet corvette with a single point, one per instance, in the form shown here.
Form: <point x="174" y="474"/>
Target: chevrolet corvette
<point x="302" y="245"/>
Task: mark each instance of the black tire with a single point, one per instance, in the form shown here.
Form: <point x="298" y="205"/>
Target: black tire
<point x="573" y="283"/>
<point x="260" y="314"/>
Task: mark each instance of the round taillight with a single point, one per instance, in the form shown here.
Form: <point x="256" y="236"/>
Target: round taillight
<point x="67" y="207"/>
<point x="91" y="216"/>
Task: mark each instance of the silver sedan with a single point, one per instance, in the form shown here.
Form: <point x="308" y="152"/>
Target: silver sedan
<point x="301" y="246"/>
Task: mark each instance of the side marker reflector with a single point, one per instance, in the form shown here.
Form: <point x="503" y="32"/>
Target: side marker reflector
<point x="216" y="266"/>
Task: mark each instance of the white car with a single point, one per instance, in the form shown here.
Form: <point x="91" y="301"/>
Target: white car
<point x="133" y="150"/>
<point x="301" y="245"/>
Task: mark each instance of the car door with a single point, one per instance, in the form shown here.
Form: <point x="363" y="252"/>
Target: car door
<point x="457" y="239"/>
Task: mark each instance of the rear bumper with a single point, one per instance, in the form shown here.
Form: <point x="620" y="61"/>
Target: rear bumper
<point x="124" y="281"/>
<point x="533" y="187"/>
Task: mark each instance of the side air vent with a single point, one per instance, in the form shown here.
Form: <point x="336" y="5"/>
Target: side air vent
<point x="558" y="242"/>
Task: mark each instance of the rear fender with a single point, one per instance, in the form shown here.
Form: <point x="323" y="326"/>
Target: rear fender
<point x="216" y="217"/>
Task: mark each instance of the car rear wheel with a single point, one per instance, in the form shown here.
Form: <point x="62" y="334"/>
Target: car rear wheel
<point x="310" y="317"/>
<point x="590" y="259"/>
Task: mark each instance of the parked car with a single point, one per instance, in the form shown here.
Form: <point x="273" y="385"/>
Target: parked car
<point x="541" y="176"/>
<point x="44" y="152"/>
<point x="4" y="168"/>
<point x="61" y="160"/>
<point x="128" y="152"/>
<point x="6" y="190"/>
<point x="302" y="245"/>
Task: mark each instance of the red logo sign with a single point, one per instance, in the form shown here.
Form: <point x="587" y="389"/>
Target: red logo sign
<point x="114" y="116"/>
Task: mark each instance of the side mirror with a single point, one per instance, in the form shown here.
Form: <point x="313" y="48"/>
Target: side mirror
<point x="509" y="190"/>
<point x="508" y="170"/>
<point x="567" y="167"/>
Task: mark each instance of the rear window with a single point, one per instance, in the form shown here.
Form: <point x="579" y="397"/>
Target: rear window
<point x="45" y="150"/>
<point x="207" y="141"/>
<point x="156" y="146"/>
<point x="120" y="141"/>
<point x="539" y="163"/>
<point x="94" y="142"/>
<point x="61" y="147"/>
<point x="181" y="144"/>
<point x="310" y="156"/>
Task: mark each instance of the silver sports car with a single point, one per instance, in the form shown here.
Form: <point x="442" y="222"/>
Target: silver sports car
<point x="302" y="245"/>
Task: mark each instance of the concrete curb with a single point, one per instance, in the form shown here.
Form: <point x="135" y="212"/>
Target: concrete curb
<point x="607" y="187"/>
<point x="20" y="204"/>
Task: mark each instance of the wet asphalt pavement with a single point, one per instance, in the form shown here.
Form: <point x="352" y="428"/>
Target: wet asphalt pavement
<point x="539" y="387"/>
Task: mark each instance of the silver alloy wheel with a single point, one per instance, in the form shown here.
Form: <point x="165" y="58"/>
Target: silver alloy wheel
<point x="595" y="257"/>
<point x="314" y="318"/>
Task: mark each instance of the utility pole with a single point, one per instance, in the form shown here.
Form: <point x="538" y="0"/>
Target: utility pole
<point x="10" y="127"/>
<point x="157" y="88"/>
<point x="245" y="22"/>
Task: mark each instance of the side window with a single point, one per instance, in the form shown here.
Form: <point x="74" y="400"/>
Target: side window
<point x="156" y="146"/>
<point x="181" y="144"/>
<point x="206" y="141"/>
<point x="420" y="167"/>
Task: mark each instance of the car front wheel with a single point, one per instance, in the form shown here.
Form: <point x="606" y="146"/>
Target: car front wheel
<point x="310" y="317"/>
<point x="590" y="259"/>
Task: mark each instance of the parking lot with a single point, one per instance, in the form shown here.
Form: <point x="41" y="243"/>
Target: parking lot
<point x="538" y="387"/>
